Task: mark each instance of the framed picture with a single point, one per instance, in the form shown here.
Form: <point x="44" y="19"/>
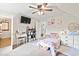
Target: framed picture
<point x="5" y="26"/>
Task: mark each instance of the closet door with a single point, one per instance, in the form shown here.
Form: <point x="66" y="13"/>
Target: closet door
<point x="38" y="29"/>
<point x="43" y="29"/>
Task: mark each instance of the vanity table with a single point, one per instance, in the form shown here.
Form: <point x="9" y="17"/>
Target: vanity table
<point x="21" y="38"/>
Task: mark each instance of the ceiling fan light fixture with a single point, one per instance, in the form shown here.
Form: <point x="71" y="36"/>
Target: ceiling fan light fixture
<point x="45" y="4"/>
<point x="40" y="13"/>
<point x="41" y="8"/>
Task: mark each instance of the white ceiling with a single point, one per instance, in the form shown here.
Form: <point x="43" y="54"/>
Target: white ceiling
<point x="23" y="9"/>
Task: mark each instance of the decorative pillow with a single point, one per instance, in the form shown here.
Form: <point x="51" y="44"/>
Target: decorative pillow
<point x="56" y="37"/>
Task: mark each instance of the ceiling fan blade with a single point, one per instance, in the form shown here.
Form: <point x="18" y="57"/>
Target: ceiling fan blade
<point x="58" y="9"/>
<point x="48" y="9"/>
<point x="32" y="7"/>
<point x="34" y="12"/>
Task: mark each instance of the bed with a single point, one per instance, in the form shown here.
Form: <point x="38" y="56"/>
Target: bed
<point x="51" y="42"/>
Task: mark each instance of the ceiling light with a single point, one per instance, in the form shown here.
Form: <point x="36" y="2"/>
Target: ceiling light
<point x="40" y="13"/>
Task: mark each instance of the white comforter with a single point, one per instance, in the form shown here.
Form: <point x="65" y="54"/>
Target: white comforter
<point x="48" y="42"/>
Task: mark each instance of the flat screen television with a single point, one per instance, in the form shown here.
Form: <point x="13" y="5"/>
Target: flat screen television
<point x="25" y="20"/>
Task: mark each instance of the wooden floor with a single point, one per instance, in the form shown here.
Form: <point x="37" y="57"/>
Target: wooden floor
<point x="5" y="42"/>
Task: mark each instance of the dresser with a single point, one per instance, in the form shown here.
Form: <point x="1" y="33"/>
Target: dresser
<point x="71" y="41"/>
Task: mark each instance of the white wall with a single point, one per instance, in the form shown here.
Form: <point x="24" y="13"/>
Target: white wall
<point x="66" y="20"/>
<point x="21" y="27"/>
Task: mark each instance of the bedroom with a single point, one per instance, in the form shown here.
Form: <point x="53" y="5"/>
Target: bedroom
<point x="62" y="21"/>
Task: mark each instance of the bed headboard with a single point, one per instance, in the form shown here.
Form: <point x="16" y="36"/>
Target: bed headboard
<point x="57" y="38"/>
<point x="54" y="35"/>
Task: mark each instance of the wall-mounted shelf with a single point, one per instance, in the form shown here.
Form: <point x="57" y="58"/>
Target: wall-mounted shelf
<point x="31" y="34"/>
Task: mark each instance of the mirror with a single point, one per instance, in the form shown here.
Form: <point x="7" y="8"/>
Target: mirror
<point x="5" y="26"/>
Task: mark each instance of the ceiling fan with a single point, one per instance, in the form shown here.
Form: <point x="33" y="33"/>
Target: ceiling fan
<point x="41" y="8"/>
